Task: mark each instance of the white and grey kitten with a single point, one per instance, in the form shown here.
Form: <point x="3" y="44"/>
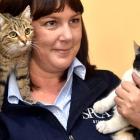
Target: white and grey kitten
<point x="117" y="123"/>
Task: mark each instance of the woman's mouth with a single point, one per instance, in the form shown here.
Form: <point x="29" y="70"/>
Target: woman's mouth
<point x="63" y="51"/>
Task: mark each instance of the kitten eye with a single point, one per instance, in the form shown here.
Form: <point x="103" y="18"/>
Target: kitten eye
<point x="28" y="31"/>
<point x="13" y="34"/>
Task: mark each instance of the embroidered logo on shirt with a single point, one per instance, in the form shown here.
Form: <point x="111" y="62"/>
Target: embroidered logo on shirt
<point x="89" y="113"/>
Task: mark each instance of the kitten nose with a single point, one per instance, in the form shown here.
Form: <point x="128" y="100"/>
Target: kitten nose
<point x="23" y="39"/>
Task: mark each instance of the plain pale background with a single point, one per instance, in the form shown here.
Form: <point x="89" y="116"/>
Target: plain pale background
<point x="112" y="26"/>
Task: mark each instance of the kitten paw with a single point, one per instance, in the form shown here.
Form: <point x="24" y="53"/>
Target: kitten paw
<point x="99" y="107"/>
<point x="103" y="127"/>
<point x="123" y="135"/>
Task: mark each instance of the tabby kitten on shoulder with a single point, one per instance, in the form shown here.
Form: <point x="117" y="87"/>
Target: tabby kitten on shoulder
<point x="15" y="47"/>
<point x="117" y="123"/>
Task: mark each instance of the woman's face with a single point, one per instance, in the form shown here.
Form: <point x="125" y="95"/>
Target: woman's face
<point x="57" y="39"/>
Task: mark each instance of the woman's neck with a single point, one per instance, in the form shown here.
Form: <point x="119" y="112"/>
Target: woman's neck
<point x="45" y="85"/>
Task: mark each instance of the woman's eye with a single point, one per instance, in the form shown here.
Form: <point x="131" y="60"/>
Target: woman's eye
<point x="13" y="34"/>
<point x="51" y="24"/>
<point x="28" y="31"/>
<point x="75" y="20"/>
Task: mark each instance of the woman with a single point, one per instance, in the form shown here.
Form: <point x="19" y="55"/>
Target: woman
<point x="64" y="84"/>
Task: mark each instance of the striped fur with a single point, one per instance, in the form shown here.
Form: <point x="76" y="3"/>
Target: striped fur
<point x="15" y="47"/>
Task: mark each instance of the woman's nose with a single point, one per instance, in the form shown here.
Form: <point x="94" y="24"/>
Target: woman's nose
<point x="66" y="33"/>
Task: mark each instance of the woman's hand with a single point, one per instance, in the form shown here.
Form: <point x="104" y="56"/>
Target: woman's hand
<point x="128" y="100"/>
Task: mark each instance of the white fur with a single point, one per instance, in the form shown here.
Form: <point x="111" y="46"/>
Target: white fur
<point x="1" y="20"/>
<point x="123" y="135"/>
<point x="117" y="122"/>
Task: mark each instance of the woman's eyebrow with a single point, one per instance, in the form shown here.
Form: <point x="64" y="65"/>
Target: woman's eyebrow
<point x="77" y="14"/>
<point x="56" y="16"/>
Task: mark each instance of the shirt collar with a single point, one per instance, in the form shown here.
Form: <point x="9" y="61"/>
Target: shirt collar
<point x="65" y="93"/>
<point x="14" y="94"/>
<point x="78" y="68"/>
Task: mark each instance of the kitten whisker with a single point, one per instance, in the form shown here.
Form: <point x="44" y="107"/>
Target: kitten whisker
<point x="35" y="46"/>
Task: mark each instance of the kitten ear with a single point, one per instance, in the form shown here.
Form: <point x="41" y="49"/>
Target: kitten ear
<point x="136" y="48"/>
<point x="26" y="13"/>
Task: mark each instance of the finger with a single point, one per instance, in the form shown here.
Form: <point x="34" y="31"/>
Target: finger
<point x="132" y="117"/>
<point x="119" y="101"/>
<point x="127" y="92"/>
<point x="128" y="86"/>
<point x="127" y="104"/>
<point x="123" y="107"/>
<point x="119" y="109"/>
<point x="136" y="79"/>
<point x="121" y="93"/>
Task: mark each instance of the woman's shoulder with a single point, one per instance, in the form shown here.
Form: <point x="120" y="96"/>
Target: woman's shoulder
<point x="103" y="76"/>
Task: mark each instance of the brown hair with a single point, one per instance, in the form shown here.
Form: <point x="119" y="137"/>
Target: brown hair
<point x="13" y="7"/>
<point x="45" y="7"/>
<point x="40" y="8"/>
